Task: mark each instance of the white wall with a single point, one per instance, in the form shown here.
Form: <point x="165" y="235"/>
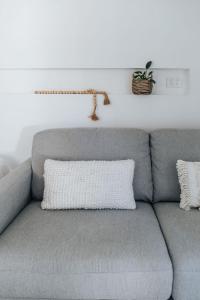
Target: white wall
<point x="43" y="41"/>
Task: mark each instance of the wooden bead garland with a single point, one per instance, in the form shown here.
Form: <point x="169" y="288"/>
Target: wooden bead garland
<point x="93" y="92"/>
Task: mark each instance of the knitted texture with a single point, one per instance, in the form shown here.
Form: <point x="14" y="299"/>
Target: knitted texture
<point x="88" y="184"/>
<point x="189" y="179"/>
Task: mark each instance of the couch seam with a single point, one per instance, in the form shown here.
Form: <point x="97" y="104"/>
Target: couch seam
<point x="84" y="273"/>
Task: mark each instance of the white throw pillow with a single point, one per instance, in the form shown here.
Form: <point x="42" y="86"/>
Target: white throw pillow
<point x="88" y="184"/>
<point x="189" y="179"/>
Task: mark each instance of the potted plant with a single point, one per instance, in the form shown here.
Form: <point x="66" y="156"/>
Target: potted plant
<point x="142" y="83"/>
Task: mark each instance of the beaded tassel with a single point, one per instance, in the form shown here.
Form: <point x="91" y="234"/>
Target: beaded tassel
<point x="93" y="116"/>
<point x="93" y="92"/>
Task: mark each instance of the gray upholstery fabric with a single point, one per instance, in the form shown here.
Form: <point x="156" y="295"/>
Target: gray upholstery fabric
<point x="182" y="231"/>
<point x="14" y="193"/>
<point x="94" y="144"/>
<point x="167" y="146"/>
<point x="55" y="299"/>
<point x="77" y="254"/>
<point x="62" y="299"/>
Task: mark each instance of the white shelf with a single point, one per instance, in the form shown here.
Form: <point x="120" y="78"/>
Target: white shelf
<point x="112" y="95"/>
<point x="88" y="68"/>
<point x="114" y="80"/>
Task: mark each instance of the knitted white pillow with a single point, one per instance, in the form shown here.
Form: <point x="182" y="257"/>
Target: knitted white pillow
<point x="88" y="184"/>
<point x="189" y="179"/>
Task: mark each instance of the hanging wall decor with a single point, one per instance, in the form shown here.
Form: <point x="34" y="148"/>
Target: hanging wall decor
<point x="93" y="92"/>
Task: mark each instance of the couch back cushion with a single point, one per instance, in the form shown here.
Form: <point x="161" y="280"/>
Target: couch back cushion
<point x="94" y="144"/>
<point x="167" y="146"/>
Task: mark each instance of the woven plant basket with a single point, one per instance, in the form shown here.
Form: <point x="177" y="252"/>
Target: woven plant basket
<point x="142" y="87"/>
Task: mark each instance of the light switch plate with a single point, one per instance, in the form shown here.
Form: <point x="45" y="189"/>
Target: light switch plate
<point x="174" y="83"/>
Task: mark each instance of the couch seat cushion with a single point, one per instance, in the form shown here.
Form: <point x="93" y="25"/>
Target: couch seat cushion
<point x="181" y="230"/>
<point x="77" y="254"/>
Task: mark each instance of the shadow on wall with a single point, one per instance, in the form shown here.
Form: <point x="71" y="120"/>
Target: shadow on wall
<point x="23" y="149"/>
<point x="25" y="139"/>
<point x="6" y="164"/>
<point x="24" y="145"/>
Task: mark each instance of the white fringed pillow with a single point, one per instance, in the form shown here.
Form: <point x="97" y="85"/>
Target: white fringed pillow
<point x="189" y="179"/>
<point x="88" y="184"/>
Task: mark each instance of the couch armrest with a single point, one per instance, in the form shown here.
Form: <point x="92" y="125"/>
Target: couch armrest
<point x="14" y="193"/>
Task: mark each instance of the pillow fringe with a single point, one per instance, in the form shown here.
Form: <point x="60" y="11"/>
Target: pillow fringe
<point x="183" y="180"/>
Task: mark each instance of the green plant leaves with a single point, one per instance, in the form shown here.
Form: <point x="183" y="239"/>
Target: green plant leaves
<point x="138" y="72"/>
<point x="148" y="64"/>
<point x="144" y="75"/>
<point x="153" y="81"/>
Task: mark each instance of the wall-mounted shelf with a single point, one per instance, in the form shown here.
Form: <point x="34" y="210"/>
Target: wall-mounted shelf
<point x="115" y="80"/>
<point x="30" y="68"/>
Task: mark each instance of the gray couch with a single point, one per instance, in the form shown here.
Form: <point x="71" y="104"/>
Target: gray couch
<point x="151" y="253"/>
